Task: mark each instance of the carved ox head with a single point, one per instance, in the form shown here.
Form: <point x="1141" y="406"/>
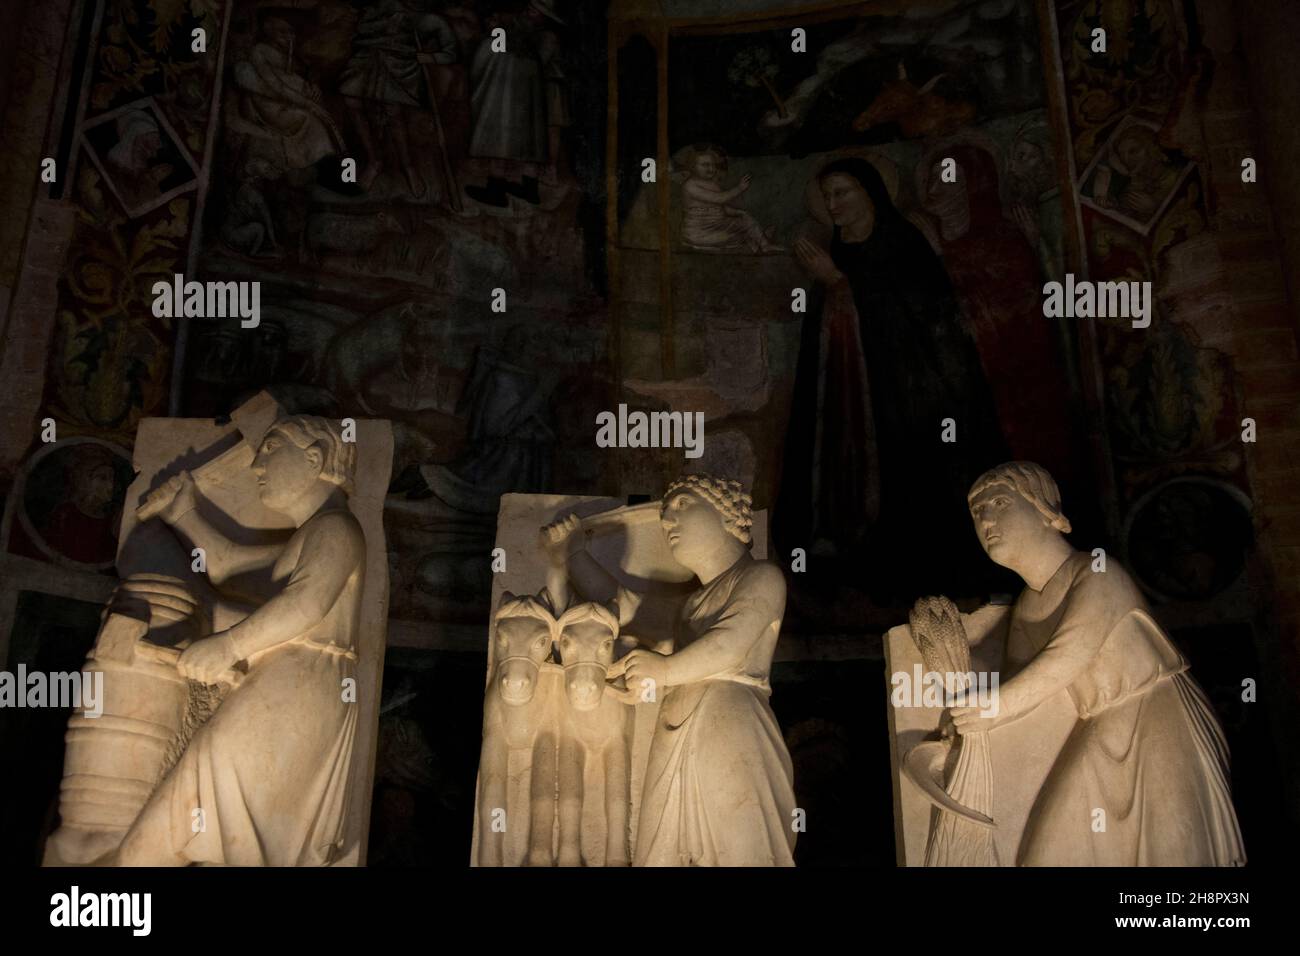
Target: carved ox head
<point x="587" y="633"/>
<point x="523" y="641"/>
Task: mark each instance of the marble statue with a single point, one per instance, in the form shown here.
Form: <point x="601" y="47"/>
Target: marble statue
<point x="1135" y="764"/>
<point x="517" y="718"/>
<point x="960" y="830"/>
<point x="243" y="720"/>
<point x="558" y="711"/>
<point x="718" y="786"/>
<point x="595" y="729"/>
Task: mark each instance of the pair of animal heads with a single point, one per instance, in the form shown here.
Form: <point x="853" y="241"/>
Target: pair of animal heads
<point x="529" y="633"/>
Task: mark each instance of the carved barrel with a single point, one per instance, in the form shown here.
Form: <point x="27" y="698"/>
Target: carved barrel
<point x="113" y="762"/>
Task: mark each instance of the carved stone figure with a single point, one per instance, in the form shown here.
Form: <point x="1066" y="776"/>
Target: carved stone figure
<point x="1142" y="776"/>
<point x="564" y="719"/>
<point x="239" y="693"/>
<point x="719" y="782"/>
<point x="516" y="719"/>
<point x="961" y="822"/>
<point x="594" y="731"/>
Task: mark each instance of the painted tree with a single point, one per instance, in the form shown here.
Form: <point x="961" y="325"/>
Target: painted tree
<point x="753" y="67"/>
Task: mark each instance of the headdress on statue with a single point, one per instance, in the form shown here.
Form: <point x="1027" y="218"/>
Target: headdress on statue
<point x="727" y="497"/>
<point x="338" y="458"/>
<point x="1033" y="483"/>
<point x="542" y="607"/>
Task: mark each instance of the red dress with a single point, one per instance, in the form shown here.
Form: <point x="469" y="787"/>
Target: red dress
<point x="998" y="282"/>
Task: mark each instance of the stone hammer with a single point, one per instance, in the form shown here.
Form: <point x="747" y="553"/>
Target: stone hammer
<point x="253" y="419"/>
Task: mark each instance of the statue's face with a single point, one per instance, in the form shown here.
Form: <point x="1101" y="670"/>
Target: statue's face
<point x="284" y="471"/>
<point x="1006" y="523"/>
<point x="692" y="526"/>
<point x="587" y="650"/>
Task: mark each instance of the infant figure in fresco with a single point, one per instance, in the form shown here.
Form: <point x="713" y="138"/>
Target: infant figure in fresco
<point x="711" y="223"/>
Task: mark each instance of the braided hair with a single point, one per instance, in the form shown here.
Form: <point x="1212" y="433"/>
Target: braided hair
<point x="727" y="498"/>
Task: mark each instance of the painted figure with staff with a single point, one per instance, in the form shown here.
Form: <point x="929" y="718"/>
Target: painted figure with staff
<point x="393" y="47"/>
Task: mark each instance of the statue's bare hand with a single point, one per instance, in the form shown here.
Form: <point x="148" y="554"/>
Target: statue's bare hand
<point x="559" y="537"/>
<point x="174" y="498"/>
<point x="209" y="660"/>
<point x="969" y="720"/>
<point x="642" y="670"/>
<point x="619" y="691"/>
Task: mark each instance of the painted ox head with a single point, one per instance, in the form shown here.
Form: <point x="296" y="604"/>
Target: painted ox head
<point x="896" y="99"/>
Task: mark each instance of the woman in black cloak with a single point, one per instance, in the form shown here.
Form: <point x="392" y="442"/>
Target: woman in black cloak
<point x="868" y="479"/>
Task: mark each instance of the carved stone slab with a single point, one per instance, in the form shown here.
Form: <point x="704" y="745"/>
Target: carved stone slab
<point x="1023" y="751"/>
